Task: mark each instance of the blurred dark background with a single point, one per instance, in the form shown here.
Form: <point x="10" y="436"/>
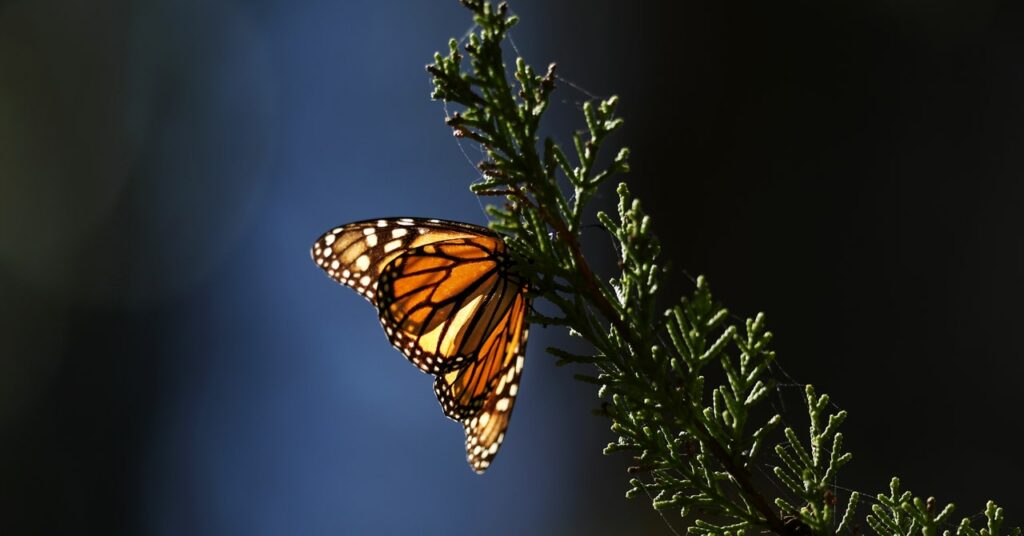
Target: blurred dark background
<point x="171" y="362"/>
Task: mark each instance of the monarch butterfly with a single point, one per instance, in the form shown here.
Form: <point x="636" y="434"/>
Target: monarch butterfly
<point x="447" y="300"/>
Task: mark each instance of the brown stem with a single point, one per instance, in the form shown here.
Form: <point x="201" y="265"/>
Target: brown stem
<point x="741" y="475"/>
<point x="593" y="285"/>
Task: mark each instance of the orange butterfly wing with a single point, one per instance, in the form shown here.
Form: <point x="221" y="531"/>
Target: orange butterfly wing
<point x="481" y="395"/>
<point x="448" y="302"/>
<point x="355" y="254"/>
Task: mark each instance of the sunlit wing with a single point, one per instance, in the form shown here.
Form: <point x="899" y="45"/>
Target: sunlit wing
<point x="481" y="395"/>
<point x="439" y="303"/>
<point x="447" y="301"/>
<point x="355" y="254"/>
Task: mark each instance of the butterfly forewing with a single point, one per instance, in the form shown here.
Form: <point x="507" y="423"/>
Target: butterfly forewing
<point x="446" y="300"/>
<point x="357" y="253"/>
<point x="439" y="302"/>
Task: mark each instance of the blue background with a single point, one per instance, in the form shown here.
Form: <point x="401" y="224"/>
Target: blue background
<point x="230" y="387"/>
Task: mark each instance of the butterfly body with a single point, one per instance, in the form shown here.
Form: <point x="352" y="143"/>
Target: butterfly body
<point x="447" y="300"/>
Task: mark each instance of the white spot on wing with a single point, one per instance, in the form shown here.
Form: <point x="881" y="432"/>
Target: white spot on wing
<point x="363" y="262"/>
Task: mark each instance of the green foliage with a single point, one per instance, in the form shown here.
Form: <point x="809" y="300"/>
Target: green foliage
<point x="810" y="475"/>
<point x="899" y="514"/>
<point x="694" y="443"/>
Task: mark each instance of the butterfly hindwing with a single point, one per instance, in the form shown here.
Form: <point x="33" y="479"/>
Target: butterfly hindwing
<point x="481" y="395"/>
<point x="464" y="392"/>
<point x="486" y="431"/>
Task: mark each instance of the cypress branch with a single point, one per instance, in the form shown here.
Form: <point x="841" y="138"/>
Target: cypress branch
<point x="694" y="443"/>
